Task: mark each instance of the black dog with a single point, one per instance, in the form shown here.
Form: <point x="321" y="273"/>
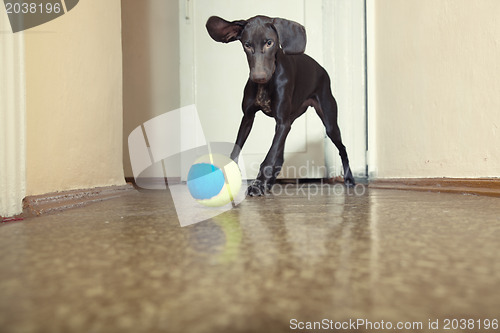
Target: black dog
<point x="283" y="83"/>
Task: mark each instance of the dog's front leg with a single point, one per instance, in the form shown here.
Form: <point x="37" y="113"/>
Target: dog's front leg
<point x="271" y="167"/>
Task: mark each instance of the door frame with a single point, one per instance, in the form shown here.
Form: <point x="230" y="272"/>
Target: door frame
<point x="12" y="120"/>
<point x="346" y="62"/>
<point x="349" y="82"/>
<point x="371" y="101"/>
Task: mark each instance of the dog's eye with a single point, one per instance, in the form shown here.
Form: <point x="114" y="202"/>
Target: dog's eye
<point x="247" y="45"/>
<point x="269" y="43"/>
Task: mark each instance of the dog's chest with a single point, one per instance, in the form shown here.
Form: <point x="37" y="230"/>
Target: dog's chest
<point x="263" y="100"/>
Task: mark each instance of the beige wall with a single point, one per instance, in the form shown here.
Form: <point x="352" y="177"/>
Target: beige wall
<point x="74" y="99"/>
<point x="150" y="63"/>
<point x="435" y="88"/>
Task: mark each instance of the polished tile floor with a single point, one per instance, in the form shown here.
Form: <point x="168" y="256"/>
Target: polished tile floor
<point x="273" y="264"/>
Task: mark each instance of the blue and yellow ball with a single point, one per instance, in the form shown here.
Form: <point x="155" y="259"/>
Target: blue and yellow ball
<point x="214" y="180"/>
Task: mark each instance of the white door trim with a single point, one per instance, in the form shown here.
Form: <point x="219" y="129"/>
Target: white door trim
<point x="12" y="120"/>
<point x="344" y="37"/>
<point x="371" y="90"/>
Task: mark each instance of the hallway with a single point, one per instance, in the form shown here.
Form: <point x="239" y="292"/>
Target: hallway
<point x="273" y="264"/>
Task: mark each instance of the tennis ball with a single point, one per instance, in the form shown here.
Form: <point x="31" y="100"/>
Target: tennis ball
<point x="214" y="180"/>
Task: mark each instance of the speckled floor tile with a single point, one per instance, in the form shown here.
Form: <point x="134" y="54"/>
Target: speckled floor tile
<point x="126" y="265"/>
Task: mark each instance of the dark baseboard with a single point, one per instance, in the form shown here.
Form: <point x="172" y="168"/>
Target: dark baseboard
<point x="59" y="201"/>
<point x="37" y="205"/>
<point x="160" y="182"/>
<point x="475" y="186"/>
<point x="153" y="182"/>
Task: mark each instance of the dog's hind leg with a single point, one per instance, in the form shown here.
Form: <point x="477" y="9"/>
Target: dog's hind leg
<point x="326" y="108"/>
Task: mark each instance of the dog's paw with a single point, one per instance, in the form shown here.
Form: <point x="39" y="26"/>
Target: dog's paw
<point x="256" y="189"/>
<point x="349" y="181"/>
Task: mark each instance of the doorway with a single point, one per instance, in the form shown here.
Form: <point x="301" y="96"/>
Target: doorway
<point x="336" y="39"/>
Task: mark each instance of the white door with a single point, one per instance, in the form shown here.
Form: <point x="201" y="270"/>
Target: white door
<point x="213" y="76"/>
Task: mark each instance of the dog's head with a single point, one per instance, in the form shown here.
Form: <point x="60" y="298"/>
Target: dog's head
<point x="261" y="37"/>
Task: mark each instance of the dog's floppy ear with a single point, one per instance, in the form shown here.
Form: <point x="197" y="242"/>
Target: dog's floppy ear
<point x="223" y="31"/>
<point x="292" y="36"/>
